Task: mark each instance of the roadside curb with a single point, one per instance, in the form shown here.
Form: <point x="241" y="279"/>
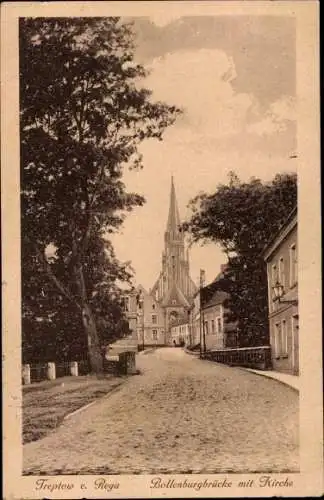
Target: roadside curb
<point x="146" y="351"/>
<point x="192" y="353"/>
<point x="105" y="396"/>
<point x="260" y="374"/>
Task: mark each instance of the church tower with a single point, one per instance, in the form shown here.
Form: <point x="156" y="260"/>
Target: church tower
<point x="174" y="288"/>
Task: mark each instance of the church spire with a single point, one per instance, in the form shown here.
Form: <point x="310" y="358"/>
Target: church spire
<point x="173" y="218"/>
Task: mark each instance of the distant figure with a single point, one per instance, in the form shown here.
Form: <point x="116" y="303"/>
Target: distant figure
<point x="174" y="344"/>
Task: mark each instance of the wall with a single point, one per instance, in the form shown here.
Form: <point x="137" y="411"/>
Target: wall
<point x="214" y="327"/>
<point x="180" y="332"/>
<point x="153" y="318"/>
<point x="283" y="318"/>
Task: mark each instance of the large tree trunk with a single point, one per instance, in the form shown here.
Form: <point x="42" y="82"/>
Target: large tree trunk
<point x="89" y="324"/>
<point x="94" y="349"/>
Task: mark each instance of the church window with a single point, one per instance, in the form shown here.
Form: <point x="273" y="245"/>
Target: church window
<point x="213" y="326"/>
<point x="174" y="302"/>
<point x="154" y="319"/>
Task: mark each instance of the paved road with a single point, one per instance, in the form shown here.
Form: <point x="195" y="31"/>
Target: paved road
<point x="180" y="415"/>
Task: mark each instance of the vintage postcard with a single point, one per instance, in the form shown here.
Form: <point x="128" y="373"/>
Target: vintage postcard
<point x="161" y="250"/>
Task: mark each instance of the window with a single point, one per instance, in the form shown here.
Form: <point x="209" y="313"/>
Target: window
<point x="206" y="327"/>
<point x="277" y="335"/>
<point x="293" y="265"/>
<point x="153" y="307"/>
<point x="281" y="340"/>
<point x="274" y="274"/>
<point x="213" y="326"/>
<point x="284" y="339"/>
<point x="154" y="334"/>
<point x="219" y="325"/>
<point x="154" y="319"/>
<point x="282" y="280"/>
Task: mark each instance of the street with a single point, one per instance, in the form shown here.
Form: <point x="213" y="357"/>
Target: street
<point x="180" y="415"/>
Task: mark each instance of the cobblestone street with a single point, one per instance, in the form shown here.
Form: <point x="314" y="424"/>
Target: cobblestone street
<point x="180" y="415"/>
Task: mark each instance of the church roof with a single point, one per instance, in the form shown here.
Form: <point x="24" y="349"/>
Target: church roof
<point x="156" y="284"/>
<point x="175" y="294"/>
<point x="173" y="223"/>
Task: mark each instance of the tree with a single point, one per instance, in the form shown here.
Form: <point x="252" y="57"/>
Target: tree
<point x="83" y="114"/>
<point x="242" y="217"/>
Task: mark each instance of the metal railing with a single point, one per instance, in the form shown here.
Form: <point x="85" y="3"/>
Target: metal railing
<point x="248" y="357"/>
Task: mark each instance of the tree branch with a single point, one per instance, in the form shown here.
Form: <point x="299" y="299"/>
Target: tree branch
<point x="52" y="276"/>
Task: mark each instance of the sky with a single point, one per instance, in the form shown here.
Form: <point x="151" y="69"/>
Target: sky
<point x="234" y="78"/>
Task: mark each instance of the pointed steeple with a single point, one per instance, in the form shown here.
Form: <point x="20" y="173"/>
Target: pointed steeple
<point x="174" y="217"/>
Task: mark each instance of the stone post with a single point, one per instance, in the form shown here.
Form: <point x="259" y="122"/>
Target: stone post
<point x="127" y="363"/>
<point x="131" y="363"/>
<point x="26" y="374"/>
<point x="51" y="371"/>
<point x="122" y="363"/>
<point x="74" y="369"/>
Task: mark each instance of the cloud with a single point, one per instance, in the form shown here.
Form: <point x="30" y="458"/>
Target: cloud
<point x="214" y="135"/>
<point x="200" y="82"/>
<point x="276" y="119"/>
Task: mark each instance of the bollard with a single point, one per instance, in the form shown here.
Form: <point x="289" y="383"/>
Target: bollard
<point x="26" y="374"/>
<point x="127" y="363"/>
<point x="74" y="368"/>
<point x="51" y="372"/>
<point x="131" y="363"/>
<point x="122" y="364"/>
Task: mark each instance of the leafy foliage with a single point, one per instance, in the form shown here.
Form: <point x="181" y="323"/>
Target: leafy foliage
<point x="83" y="115"/>
<point x="242" y="217"/>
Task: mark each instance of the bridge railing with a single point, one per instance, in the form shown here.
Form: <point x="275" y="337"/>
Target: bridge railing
<point x="248" y="357"/>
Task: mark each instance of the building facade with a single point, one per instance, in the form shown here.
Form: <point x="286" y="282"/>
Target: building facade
<point x="180" y="332"/>
<point x="172" y="293"/>
<point x="174" y="289"/>
<point x="218" y="332"/>
<point x="281" y="256"/>
<point x="208" y="323"/>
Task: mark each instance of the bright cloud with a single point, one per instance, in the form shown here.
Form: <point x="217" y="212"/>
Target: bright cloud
<point x="208" y="141"/>
<point x="276" y="118"/>
<point x="200" y="83"/>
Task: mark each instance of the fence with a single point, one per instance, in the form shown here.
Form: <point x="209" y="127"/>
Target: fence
<point x="49" y="371"/>
<point x="249" y="357"/>
<point x="123" y="364"/>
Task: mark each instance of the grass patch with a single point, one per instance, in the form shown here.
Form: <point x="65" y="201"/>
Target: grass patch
<point x="45" y="404"/>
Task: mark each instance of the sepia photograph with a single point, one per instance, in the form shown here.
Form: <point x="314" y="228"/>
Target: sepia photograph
<point x="160" y="174"/>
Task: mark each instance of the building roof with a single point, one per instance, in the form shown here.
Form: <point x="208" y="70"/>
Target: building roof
<point x="173" y="224"/>
<point x="208" y="291"/>
<point x="218" y="297"/>
<point x="286" y="228"/>
<point x="175" y="294"/>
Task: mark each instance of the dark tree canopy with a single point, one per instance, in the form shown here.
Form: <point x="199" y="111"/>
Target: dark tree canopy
<point x="83" y="114"/>
<point x="242" y="217"/>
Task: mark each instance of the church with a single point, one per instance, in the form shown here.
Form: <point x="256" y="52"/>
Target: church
<point x="171" y="296"/>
